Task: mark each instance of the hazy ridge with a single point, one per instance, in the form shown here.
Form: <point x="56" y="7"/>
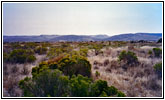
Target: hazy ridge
<point x="55" y="38"/>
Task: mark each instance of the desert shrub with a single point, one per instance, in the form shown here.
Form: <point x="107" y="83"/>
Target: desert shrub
<point x="15" y="45"/>
<point x="160" y="40"/>
<point x="97" y="48"/>
<point x="79" y="86"/>
<point x="30" y="45"/>
<point x="158" y="66"/>
<point x="53" y="83"/>
<point x="128" y="57"/>
<point x="38" y="69"/>
<point x="85" y="87"/>
<point x="83" y="51"/>
<point x="46" y="83"/>
<point x="55" y="52"/>
<point x="45" y="44"/>
<point x="120" y="94"/>
<point x="97" y="74"/>
<point x="149" y="52"/>
<point x="40" y="50"/>
<point x="53" y="65"/>
<point x="21" y="56"/>
<point x="158" y="69"/>
<point x="75" y="65"/>
<point x="5" y="57"/>
<point x="157" y="52"/>
<point x="111" y="90"/>
<point x="103" y="94"/>
<point x="98" y="87"/>
<point x="31" y="58"/>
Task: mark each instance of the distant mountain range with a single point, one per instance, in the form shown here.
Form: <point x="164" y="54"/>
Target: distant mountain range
<point x="55" y="38"/>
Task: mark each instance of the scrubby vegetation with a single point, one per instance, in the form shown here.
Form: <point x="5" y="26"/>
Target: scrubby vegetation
<point x="40" y="50"/>
<point x="82" y="69"/>
<point x="21" y="56"/>
<point x="53" y="83"/>
<point x="158" y="68"/>
<point x="128" y="57"/>
<point x="70" y="81"/>
<point x="157" y="52"/>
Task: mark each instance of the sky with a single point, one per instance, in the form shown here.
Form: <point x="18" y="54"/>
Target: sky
<point x="81" y="18"/>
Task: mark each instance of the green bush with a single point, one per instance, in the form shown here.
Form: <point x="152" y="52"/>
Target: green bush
<point x="31" y="58"/>
<point x="97" y="74"/>
<point x="39" y="69"/>
<point x="53" y="65"/>
<point x="98" y="87"/>
<point x="158" y="69"/>
<point x="75" y="65"/>
<point x="5" y="57"/>
<point x="121" y="94"/>
<point x="103" y="94"/>
<point x="111" y="90"/>
<point x="53" y="83"/>
<point x="30" y="45"/>
<point x="46" y="83"/>
<point x="157" y="52"/>
<point x="55" y="52"/>
<point x="128" y="57"/>
<point x="160" y="40"/>
<point x="40" y="50"/>
<point x="149" y="52"/>
<point x="72" y="80"/>
<point x="21" y="56"/>
<point x="79" y="86"/>
<point x="83" y="51"/>
<point x="158" y="66"/>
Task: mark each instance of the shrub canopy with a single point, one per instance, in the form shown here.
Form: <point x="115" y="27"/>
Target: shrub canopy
<point x="157" y="52"/>
<point x="128" y="57"/>
<point x="21" y="56"/>
<point x="52" y="83"/>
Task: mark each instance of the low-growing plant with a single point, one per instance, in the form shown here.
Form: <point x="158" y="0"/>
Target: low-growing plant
<point x="121" y="94"/>
<point x="53" y="83"/>
<point x="158" y="69"/>
<point x="40" y="50"/>
<point x="160" y="40"/>
<point x="149" y="52"/>
<point x="75" y="65"/>
<point x="128" y="57"/>
<point x="157" y="52"/>
<point x="21" y="56"/>
<point x="97" y="74"/>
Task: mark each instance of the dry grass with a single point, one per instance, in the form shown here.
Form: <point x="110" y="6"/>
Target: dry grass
<point x="136" y="81"/>
<point x="13" y="73"/>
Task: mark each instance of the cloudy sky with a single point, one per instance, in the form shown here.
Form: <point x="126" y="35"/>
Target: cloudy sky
<point x="81" y="18"/>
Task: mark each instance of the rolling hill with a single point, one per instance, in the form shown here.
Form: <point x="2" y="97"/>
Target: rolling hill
<point x="55" y="38"/>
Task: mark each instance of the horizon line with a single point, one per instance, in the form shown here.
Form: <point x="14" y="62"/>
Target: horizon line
<point x="85" y="34"/>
